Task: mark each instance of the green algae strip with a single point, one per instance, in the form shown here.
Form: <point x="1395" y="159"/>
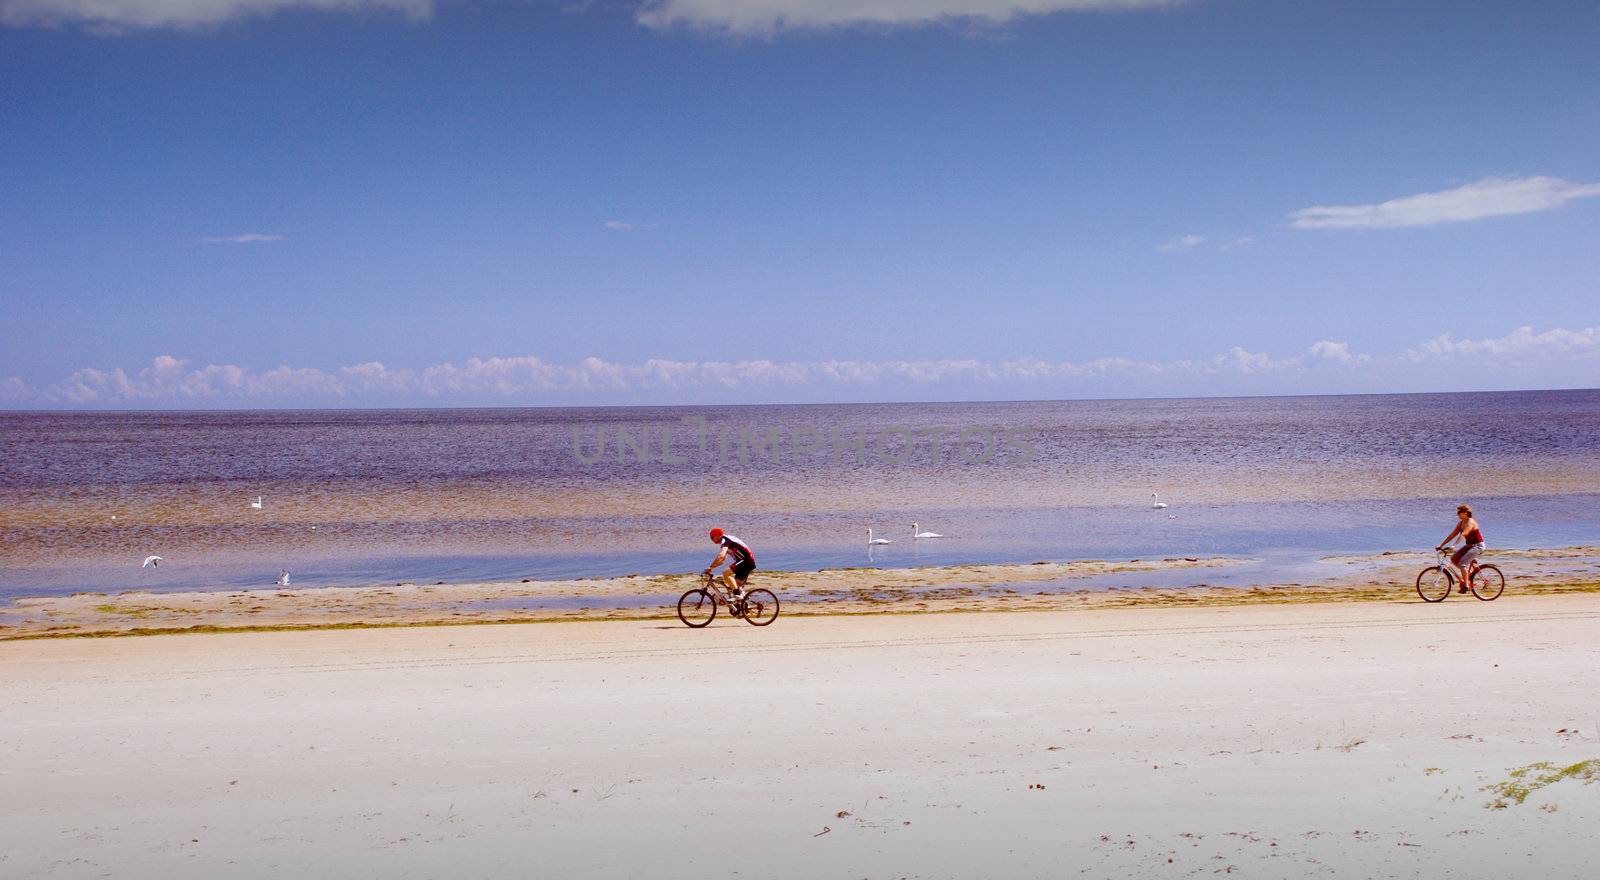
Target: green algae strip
<point x="1524" y="781"/>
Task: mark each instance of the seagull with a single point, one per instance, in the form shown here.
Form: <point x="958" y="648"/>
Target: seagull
<point x="283" y="578"/>
<point x="151" y="562"/>
<point x="917" y="534"/>
<point x="256" y="504"/>
<point x="1156" y="503"/>
<point x="871" y="540"/>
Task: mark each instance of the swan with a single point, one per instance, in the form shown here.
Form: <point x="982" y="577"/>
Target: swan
<point x="871" y="540"/>
<point x="1156" y="503"/>
<point x="151" y="562"/>
<point x="917" y="534"/>
<point x="256" y="504"/>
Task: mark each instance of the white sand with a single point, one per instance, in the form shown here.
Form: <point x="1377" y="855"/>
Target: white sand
<point x="1281" y="741"/>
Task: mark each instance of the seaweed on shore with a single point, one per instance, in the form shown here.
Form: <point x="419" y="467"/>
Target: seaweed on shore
<point x="1524" y="781"/>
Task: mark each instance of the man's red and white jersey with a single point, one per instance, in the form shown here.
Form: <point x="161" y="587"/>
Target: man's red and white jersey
<point x="739" y="550"/>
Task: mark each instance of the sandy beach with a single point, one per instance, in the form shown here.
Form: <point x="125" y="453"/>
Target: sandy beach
<point x="1357" y="739"/>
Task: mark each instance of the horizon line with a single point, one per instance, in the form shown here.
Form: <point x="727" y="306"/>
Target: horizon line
<point x="231" y="409"/>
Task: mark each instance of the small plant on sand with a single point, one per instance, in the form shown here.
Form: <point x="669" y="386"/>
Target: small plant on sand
<point x="1524" y="781"/>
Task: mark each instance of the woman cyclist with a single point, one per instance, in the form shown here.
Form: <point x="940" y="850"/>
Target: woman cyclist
<point x="1471" y="542"/>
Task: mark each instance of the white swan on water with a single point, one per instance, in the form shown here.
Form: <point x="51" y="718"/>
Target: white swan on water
<point x="871" y="540"/>
<point x="1156" y="503"/>
<point x="917" y="534"/>
<point x="151" y="562"/>
<point x="256" y="504"/>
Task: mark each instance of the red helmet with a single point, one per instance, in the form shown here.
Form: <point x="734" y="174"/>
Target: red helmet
<point x="716" y="534"/>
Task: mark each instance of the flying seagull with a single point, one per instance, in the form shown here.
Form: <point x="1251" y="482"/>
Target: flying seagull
<point x="151" y="562"/>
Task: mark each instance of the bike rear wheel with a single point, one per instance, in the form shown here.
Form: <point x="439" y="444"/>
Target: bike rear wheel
<point x="1487" y="583"/>
<point x="760" y="607"/>
<point x="1434" y="583"/>
<point x="697" y="608"/>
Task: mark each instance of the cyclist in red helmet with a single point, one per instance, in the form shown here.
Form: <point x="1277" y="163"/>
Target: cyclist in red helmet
<point x="744" y="561"/>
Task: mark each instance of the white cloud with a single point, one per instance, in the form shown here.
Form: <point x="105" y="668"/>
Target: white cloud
<point x="247" y="238"/>
<point x="13" y="388"/>
<point x="1238" y="359"/>
<point x="618" y="225"/>
<point x="1520" y="346"/>
<point x="768" y="16"/>
<point x="1236" y="244"/>
<point x="1182" y="243"/>
<point x="1336" y="353"/>
<point x="122" y="15"/>
<point x="1490" y="197"/>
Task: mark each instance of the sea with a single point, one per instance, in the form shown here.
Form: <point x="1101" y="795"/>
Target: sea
<point x="427" y="495"/>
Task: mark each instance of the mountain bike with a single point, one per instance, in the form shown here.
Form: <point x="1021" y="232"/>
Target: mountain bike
<point x="698" y="607"/>
<point x="1436" y="582"/>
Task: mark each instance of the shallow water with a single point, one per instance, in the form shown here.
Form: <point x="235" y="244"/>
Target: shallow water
<point x="457" y="495"/>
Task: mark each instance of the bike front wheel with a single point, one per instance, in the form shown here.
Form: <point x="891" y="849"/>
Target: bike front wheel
<point x="697" y="608"/>
<point x="1434" y="584"/>
<point x="1487" y="583"/>
<point x="760" y="607"/>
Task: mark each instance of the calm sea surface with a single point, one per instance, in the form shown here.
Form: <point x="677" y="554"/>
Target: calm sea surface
<point x="423" y="495"/>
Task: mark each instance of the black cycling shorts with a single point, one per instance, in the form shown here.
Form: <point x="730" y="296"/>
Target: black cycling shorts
<point x="741" y="570"/>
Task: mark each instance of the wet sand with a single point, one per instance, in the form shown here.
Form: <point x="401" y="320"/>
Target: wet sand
<point x="1357" y="739"/>
<point x="1387" y="577"/>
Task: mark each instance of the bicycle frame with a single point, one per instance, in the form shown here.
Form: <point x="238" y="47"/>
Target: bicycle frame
<point x="718" y="590"/>
<point x="1449" y="566"/>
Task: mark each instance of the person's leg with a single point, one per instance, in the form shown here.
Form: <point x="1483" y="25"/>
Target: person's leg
<point x="729" y="581"/>
<point x="1460" y="567"/>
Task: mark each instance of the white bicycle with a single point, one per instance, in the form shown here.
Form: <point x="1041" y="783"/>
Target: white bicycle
<point x="1436" y="582"/>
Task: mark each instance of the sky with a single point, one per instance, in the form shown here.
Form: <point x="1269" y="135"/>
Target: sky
<point x="284" y="203"/>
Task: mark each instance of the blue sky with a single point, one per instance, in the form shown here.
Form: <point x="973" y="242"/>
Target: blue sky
<point x="520" y="202"/>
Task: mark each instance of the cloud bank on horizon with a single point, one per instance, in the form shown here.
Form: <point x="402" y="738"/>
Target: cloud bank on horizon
<point x="739" y="17"/>
<point x="171" y="382"/>
<point x="246" y="238"/>
<point x="124" y="15"/>
<point x="732" y="16"/>
<point x="768" y="16"/>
